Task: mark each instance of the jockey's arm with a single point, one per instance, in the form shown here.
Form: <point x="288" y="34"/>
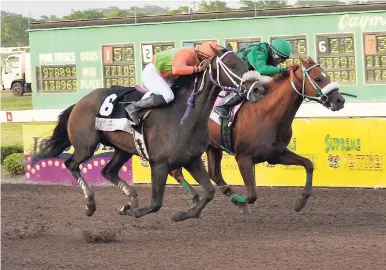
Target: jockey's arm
<point x="258" y="60"/>
<point x="181" y="62"/>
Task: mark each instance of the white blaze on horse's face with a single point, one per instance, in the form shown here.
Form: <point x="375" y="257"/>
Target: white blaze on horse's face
<point x="324" y="74"/>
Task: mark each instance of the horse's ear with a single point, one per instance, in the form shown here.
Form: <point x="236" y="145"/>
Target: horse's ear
<point x="304" y="61"/>
<point x="229" y="47"/>
<point x="217" y="52"/>
<point x="310" y="60"/>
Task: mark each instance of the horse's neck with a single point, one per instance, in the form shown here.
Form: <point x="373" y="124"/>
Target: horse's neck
<point x="203" y="101"/>
<point x="283" y="102"/>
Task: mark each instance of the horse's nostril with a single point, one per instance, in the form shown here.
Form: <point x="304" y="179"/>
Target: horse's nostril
<point x="339" y="100"/>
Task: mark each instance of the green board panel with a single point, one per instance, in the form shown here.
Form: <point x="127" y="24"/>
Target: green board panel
<point x="89" y="49"/>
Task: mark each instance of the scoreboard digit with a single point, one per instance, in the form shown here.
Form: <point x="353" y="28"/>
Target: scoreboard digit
<point x="238" y="43"/>
<point x="194" y="43"/>
<point x="56" y="78"/>
<point x="374" y="46"/>
<point x="299" y="48"/>
<point x="118" y="65"/>
<point x="336" y="54"/>
<point x="149" y="49"/>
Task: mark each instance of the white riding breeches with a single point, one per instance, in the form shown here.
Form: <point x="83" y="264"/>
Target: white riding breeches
<point x="156" y="84"/>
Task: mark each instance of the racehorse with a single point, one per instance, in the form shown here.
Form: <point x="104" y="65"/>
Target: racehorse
<point x="171" y="144"/>
<point x="261" y="131"/>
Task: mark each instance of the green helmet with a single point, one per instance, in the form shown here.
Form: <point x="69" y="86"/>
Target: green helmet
<point x="281" y="47"/>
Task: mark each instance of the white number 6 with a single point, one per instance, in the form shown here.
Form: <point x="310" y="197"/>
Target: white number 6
<point x="107" y="106"/>
<point x="322" y="47"/>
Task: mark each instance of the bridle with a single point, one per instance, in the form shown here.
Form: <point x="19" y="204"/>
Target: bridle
<point x="238" y="87"/>
<point x="320" y="92"/>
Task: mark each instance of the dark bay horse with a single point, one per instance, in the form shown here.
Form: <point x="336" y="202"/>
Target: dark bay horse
<point x="261" y="131"/>
<point x="171" y="145"/>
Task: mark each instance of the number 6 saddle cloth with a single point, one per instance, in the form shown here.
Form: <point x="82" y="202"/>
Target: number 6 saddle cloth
<point x="112" y="114"/>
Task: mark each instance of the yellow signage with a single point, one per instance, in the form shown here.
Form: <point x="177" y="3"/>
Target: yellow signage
<point x="345" y="153"/>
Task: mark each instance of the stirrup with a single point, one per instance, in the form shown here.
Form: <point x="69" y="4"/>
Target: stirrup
<point x="219" y="112"/>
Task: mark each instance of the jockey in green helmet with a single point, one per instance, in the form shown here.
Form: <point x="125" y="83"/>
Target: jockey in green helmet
<point x="263" y="58"/>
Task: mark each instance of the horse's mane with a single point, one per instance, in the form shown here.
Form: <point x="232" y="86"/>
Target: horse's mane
<point x="181" y="81"/>
<point x="276" y="79"/>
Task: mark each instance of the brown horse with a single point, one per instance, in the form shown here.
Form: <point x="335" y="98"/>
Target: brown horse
<point x="171" y="144"/>
<point x="261" y="131"/>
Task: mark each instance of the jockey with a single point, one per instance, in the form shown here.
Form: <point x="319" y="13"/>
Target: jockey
<point x="263" y="58"/>
<point x="166" y="66"/>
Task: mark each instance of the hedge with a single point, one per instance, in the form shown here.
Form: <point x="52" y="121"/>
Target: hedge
<point x="8" y="150"/>
<point x="14" y="163"/>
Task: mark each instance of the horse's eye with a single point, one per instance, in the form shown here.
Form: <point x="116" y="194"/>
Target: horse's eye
<point x="317" y="79"/>
<point x="233" y="66"/>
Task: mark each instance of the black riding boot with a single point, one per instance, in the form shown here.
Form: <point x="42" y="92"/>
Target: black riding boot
<point x="133" y="108"/>
<point x="225" y="104"/>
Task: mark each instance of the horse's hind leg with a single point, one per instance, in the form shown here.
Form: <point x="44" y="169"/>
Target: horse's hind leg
<point x="72" y="164"/>
<point x="214" y="169"/>
<point x="111" y="171"/>
<point x="199" y="173"/>
<point x="290" y="158"/>
<point x="193" y="195"/>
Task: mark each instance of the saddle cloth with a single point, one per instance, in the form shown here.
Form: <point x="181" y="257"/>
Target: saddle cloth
<point x="112" y="114"/>
<point x="233" y="111"/>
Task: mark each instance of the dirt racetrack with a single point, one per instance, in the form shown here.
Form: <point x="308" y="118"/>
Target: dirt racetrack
<point x="44" y="227"/>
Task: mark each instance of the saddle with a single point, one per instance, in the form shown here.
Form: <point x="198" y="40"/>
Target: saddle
<point x="112" y="115"/>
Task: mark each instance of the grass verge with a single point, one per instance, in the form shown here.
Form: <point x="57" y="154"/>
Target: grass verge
<point x="10" y="102"/>
<point x="12" y="133"/>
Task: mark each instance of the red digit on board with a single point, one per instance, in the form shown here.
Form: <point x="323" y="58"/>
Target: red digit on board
<point x="108" y="55"/>
<point x="370" y="44"/>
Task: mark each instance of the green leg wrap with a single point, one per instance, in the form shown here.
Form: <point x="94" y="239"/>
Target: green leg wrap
<point x="185" y="186"/>
<point x="236" y="198"/>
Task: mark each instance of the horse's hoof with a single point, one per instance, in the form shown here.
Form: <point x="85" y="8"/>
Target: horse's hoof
<point x="122" y="210"/>
<point x="128" y="211"/>
<point x="179" y="216"/>
<point x="90" y="209"/>
<point x="244" y="209"/>
<point x="238" y="199"/>
<point x="134" y="203"/>
<point x="299" y="204"/>
<point x="89" y="212"/>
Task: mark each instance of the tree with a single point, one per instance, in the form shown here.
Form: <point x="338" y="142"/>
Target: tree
<point x="262" y="4"/>
<point x="212" y="6"/>
<point x="180" y="10"/>
<point x="84" y="15"/>
<point x="14" y="30"/>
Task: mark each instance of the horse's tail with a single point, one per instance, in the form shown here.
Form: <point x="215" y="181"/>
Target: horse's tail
<point x="58" y="142"/>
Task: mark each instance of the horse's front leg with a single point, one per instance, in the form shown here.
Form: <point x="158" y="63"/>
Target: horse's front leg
<point x="290" y="158"/>
<point x="214" y="168"/>
<point x="246" y="167"/>
<point x="159" y="174"/>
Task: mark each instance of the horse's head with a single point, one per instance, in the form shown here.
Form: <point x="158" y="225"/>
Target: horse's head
<point x="228" y="72"/>
<point x="317" y="85"/>
<point x="231" y="72"/>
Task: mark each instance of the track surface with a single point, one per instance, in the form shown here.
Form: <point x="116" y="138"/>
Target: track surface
<point x="44" y="227"/>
